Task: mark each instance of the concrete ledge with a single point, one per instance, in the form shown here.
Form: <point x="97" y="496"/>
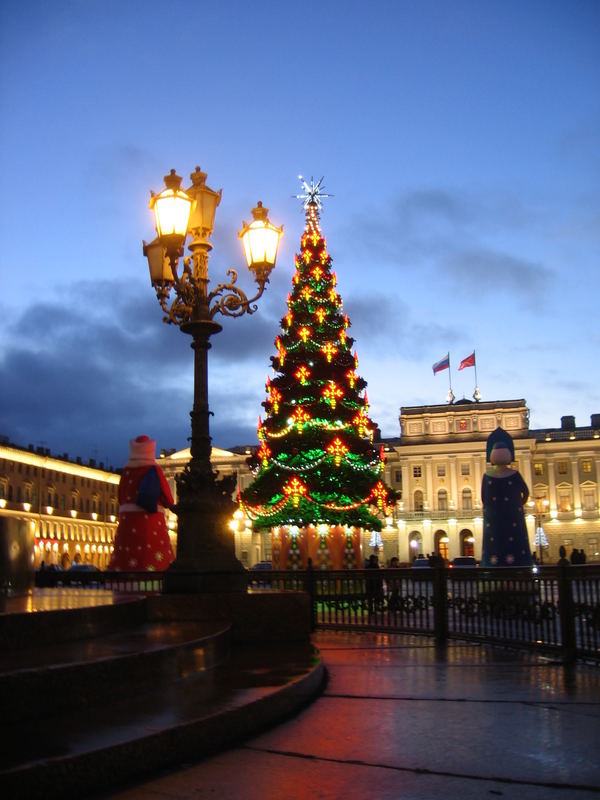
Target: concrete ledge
<point x="88" y="773"/>
<point x="27" y="629"/>
<point x="263" y="616"/>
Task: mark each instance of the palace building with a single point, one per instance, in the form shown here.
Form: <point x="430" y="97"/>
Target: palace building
<point x="436" y="466"/>
<point x="71" y="507"/>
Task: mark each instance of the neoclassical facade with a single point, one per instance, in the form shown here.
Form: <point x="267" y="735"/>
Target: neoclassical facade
<point x="437" y="465"/>
<point x="70" y="506"/>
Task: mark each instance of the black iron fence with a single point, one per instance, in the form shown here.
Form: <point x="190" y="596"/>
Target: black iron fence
<point x="553" y="609"/>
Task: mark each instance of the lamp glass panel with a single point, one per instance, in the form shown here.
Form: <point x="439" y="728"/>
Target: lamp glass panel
<point x="159" y="264"/>
<point x="260" y="243"/>
<point x="172" y="211"/>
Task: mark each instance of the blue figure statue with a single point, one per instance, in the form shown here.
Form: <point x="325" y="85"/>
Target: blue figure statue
<point x="503" y="493"/>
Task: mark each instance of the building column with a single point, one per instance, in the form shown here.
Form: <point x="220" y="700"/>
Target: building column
<point x="576" y="486"/>
<point x="429" y="483"/>
<point x="453" y="482"/>
<point x="551" y="486"/>
<point x="477" y="478"/>
<point x="407" y="501"/>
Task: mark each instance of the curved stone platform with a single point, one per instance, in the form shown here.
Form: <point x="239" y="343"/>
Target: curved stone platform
<point x="105" y="709"/>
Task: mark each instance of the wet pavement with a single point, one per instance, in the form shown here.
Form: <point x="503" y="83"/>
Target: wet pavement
<point x="404" y="718"/>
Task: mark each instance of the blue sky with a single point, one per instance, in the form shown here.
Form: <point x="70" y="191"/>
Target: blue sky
<point x="461" y="142"/>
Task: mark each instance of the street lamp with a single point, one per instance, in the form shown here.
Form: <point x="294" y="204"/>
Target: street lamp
<point x="540" y="504"/>
<point x="205" y="558"/>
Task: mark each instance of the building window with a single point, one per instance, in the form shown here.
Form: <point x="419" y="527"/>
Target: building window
<point x="564" y="500"/>
<point x="398" y="476"/>
<point x="418" y="500"/>
<point x="417" y="472"/>
<point x="442" y="500"/>
<point x="562" y="467"/>
<point x="467" y="500"/>
<point x="538" y="469"/>
<point x="465" y="469"/>
<point x="592" y="543"/>
<point x="586" y="466"/>
<point x="441" y="470"/>
<point x="588" y="500"/>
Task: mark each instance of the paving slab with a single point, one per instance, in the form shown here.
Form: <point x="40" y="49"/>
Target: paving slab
<point x="404" y="718"/>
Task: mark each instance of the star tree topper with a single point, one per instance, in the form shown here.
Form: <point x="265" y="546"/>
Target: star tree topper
<point x="312" y="193"/>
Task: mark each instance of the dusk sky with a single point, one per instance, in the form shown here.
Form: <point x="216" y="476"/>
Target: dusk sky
<point x="460" y="141"/>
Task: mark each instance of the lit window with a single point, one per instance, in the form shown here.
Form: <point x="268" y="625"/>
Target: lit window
<point x="538" y="469"/>
<point x="564" y="500"/>
<point x="442" y="500"/>
<point x="588" y="500"/>
<point x="417" y="472"/>
<point x="465" y="469"/>
<point x="467" y="500"/>
<point x="586" y="466"/>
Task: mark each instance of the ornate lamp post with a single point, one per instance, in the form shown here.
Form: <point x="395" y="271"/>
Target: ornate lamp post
<point x="540" y="504"/>
<point x="205" y="548"/>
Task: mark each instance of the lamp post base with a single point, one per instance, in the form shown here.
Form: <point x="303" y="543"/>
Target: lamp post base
<point x="206" y="560"/>
<point x="177" y="581"/>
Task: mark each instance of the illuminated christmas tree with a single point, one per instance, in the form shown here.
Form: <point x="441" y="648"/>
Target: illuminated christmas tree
<point x="318" y="474"/>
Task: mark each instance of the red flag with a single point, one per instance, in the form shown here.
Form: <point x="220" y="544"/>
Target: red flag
<point x="469" y="361"/>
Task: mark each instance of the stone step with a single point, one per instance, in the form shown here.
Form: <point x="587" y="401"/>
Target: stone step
<point x="78" y="675"/>
<point x="86" y="751"/>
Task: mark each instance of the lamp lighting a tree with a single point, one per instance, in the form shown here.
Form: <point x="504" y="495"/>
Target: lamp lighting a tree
<point x="205" y="558"/>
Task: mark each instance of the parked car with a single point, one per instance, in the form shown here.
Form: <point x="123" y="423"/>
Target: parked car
<point x="464" y="561"/>
<point x="262" y="565"/>
<point x="421" y="562"/>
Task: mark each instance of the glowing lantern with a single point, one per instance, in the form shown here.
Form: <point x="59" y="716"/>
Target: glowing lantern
<point x="263" y="453"/>
<point x="171" y="213"/>
<point x="332" y="393"/>
<point x="295" y="489"/>
<point x="379" y="494"/>
<point x="300" y="417"/>
<point x="338" y="450"/>
<point x="329" y="350"/>
<point x="302" y="373"/>
<point x="260" y="240"/>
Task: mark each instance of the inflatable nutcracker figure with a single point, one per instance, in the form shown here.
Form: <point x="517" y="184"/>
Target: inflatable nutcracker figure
<point x="142" y="540"/>
<point x="503" y="494"/>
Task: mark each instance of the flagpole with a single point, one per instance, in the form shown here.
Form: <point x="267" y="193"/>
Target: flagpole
<point x="450" y="396"/>
<point x="476" y="393"/>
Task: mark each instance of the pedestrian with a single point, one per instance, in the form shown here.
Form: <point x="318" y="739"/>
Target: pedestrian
<point x="393" y="585"/>
<point x="575" y="556"/>
<point x="374" y="585"/>
<point x="562" y="556"/>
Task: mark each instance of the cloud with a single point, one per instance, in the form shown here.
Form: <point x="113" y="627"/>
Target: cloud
<point x="89" y="369"/>
<point x="394" y="324"/>
<point x="482" y="271"/>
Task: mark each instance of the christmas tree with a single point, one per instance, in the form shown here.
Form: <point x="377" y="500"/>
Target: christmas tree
<point x="318" y="474"/>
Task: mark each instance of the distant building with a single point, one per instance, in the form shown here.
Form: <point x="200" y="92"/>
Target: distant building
<point x="72" y="507"/>
<point x="437" y="466"/>
<point x="439" y="461"/>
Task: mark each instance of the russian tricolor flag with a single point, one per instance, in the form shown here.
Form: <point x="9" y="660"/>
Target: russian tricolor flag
<point x="444" y="363"/>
